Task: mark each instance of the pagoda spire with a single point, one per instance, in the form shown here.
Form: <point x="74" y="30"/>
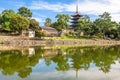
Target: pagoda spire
<point x="77" y="8"/>
<point x="77" y="73"/>
<point x="75" y="18"/>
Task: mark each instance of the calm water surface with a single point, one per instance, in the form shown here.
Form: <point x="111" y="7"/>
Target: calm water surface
<point x="66" y="63"/>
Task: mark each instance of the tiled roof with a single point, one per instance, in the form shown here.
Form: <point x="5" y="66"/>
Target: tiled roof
<point x="47" y="28"/>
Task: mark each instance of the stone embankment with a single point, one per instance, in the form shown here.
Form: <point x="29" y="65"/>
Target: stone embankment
<point x="17" y="41"/>
<point x="86" y="42"/>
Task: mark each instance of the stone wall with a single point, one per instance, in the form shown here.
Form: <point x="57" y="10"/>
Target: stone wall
<point x="12" y="41"/>
<point x="86" y="42"/>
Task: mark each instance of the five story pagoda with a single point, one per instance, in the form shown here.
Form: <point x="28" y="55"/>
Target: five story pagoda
<point x="75" y="18"/>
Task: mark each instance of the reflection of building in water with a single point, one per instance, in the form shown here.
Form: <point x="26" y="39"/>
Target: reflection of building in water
<point x="119" y="60"/>
<point x="28" y="52"/>
<point x="49" y="52"/>
<point x="31" y="52"/>
<point x="62" y="52"/>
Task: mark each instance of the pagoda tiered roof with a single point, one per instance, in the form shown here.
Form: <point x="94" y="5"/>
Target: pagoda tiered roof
<point x="74" y="24"/>
<point x="75" y="17"/>
<point x="74" y="21"/>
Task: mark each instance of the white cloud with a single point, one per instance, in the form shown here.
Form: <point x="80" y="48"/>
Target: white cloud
<point x="94" y="7"/>
<point x="17" y="4"/>
<point x="116" y="65"/>
<point x="46" y="6"/>
<point x="71" y="75"/>
<point x="38" y="14"/>
<point x="38" y="19"/>
<point x="98" y="7"/>
<point x="116" y="17"/>
<point x="41" y="20"/>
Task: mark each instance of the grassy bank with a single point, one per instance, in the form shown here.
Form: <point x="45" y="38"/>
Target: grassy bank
<point x="64" y="38"/>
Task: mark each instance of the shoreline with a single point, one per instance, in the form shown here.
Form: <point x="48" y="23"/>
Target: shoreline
<point x="11" y="43"/>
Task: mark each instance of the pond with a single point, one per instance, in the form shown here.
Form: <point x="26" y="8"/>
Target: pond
<point x="63" y="63"/>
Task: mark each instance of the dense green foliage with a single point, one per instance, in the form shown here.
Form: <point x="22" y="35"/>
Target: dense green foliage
<point x="102" y="27"/>
<point x="34" y="25"/>
<point x="48" y="22"/>
<point x="10" y="21"/>
<point x="84" y="25"/>
<point x="106" y="27"/>
<point x="18" y="20"/>
<point x="62" y="22"/>
<point x="39" y="33"/>
<point x="6" y="15"/>
<point x="25" y="12"/>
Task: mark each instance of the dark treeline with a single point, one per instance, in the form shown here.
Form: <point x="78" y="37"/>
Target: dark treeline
<point x="102" y="27"/>
<point x="15" y="22"/>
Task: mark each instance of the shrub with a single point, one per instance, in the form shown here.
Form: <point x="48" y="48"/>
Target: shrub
<point x="40" y="33"/>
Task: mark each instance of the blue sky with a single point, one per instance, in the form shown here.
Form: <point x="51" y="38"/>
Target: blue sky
<point x="43" y="9"/>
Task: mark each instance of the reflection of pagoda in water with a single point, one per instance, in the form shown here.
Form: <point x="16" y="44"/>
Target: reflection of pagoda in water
<point x="75" y="18"/>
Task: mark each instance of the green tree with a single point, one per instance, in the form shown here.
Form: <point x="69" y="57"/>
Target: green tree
<point x="18" y="23"/>
<point x="5" y="19"/>
<point x="48" y="22"/>
<point x="118" y="30"/>
<point x="62" y="22"/>
<point x="105" y="25"/>
<point x="112" y="31"/>
<point x="87" y="28"/>
<point x="14" y="62"/>
<point x="34" y="25"/>
<point x="61" y="61"/>
<point x="84" y="25"/>
<point x="25" y="12"/>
